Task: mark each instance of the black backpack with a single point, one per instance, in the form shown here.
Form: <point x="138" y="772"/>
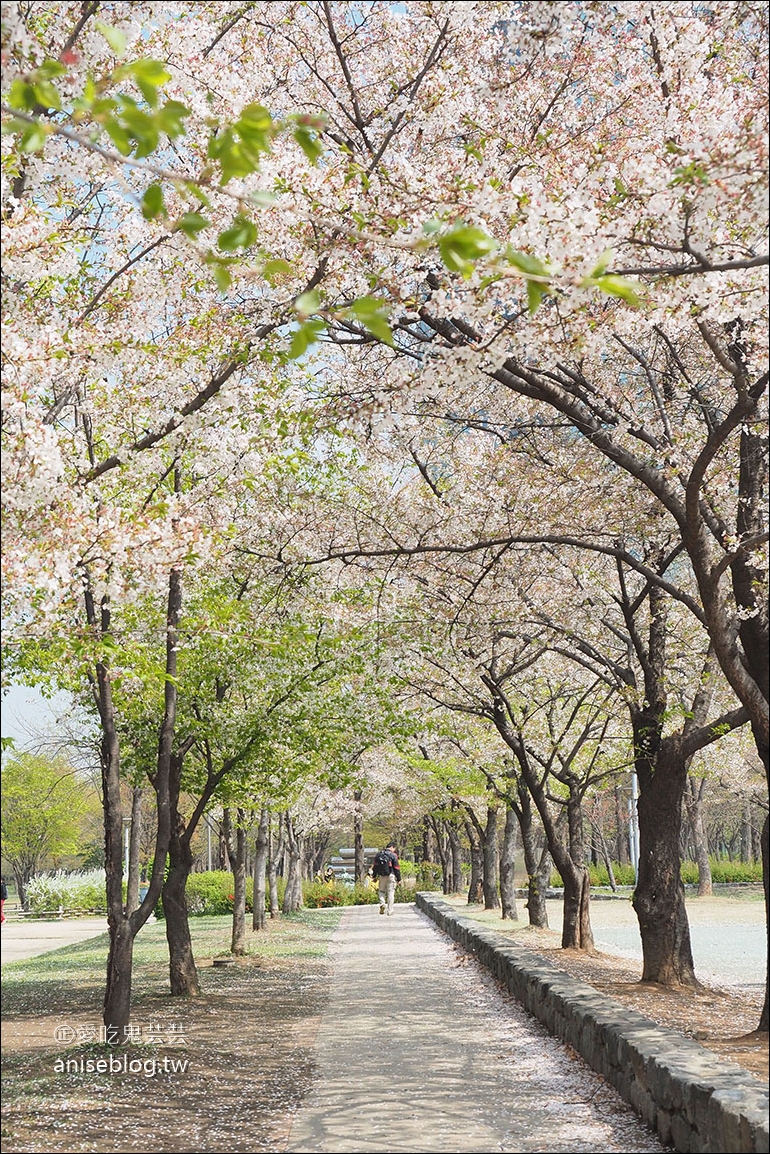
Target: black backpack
<point x="383" y="863"/>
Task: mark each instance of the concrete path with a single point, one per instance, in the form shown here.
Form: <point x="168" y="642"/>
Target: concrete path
<point x="420" y="1051"/>
<point x="27" y="937"/>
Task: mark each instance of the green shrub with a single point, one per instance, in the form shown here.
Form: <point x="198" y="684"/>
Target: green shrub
<point x="211" y="893"/>
<point x="364" y="895"/>
<point x="318" y="895"/>
<point x="722" y="872"/>
<point x="726" y="872"/>
<point x="322" y="895"/>
<point x="429" y="876"/>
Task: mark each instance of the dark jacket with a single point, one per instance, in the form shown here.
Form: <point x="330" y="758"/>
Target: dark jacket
<point x="395" y="867"/>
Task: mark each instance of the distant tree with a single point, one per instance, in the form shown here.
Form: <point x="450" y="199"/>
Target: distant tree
<point x="42" y="800"/>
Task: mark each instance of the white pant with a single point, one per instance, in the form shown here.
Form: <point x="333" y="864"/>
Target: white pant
<point x="387" y="888"/>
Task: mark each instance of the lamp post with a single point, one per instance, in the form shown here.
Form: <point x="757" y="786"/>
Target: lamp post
<point x="126" y="846"/>
<point x="633" y="826"/>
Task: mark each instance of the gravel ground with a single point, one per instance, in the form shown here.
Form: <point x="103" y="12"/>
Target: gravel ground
<point x="422" y="1051"/>
<point x="728" y="935"/>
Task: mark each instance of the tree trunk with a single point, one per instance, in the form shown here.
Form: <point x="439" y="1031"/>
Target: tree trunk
<point x="455" y="850"/>
<point x="568" y="858"/>
<point x="124" y="927"/>
<point x="537" y="862"/>
<point x="693" y="800"/>
<point x="600" y="843"/>
<point x="659" y="894"/>
<point x="259" y="914"/>
<point x="359" y="868"/>
<point x="274" y="851"/>
<point x="764" y="1019"/>
<point x="224" y="853"/>
<point x="507" y="865"/>
<point x="21" y="888"/>
<point x="491" y="861"/>
<point x="576" y="931"/>
<point x="237" y="853"/>
<point x="182" y="970"/>
<point x="538" y="879"/>
<point x="134" y="851"/>
<point x="476" y="888"/>
<point x="747" y="834"/>
<point x="444" y="856"/>
<point x="428" y="841"/>
<point x="292" y="898"/>
<point x="117" y="996"/>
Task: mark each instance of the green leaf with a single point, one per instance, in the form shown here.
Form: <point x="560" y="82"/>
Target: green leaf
<point x="221" y="275"/>
<point x="309" y="142"/>
<point x="431" y="227"/>
<point x="373" y="315"/>
<point x="152" y="72"/>
<point x="169" y="118"/>
<point x="153" y="205"/>
<point x="535" y="294"/>
<point x="255" y="127"/>
<point x="618" y="286"/>
<point x="22" y="96"/>
<point x="526" y="264"/>
<point x="47" y="94"/>
<point x="33" y="138"/>
<point x="191" y="223"/>
<point x="235" y="159"/>
<point x="118" y="135"/>
<point x="463" y="245"/>
<point x="602" y="264"/>
<point x="303" y="337"/>
<point x="262" y="197"/>
<point x="275" y="269"/>
<point x="307" y="303"/>
<point x="241" y="234"/>
<point x="50" y="68"/>
<point x="114" y="36"/>
<point x="149" y="92"/>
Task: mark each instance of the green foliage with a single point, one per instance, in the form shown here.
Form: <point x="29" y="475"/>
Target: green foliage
<point x="42" y="801"/>
<point x="624" y="875"/>
<point x="462" y="246"/>
<point x="211" y="893"/>
<point x="722" y="872"/>
<point x="372" y="314"/>
<point x="428" y="876"/>
<point x="323" y="895"/>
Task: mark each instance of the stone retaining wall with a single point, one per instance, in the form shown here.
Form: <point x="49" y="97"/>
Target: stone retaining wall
<point x="690" y="1097"/>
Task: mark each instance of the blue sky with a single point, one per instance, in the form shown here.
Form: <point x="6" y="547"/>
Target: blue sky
<point x="26" y="714"/>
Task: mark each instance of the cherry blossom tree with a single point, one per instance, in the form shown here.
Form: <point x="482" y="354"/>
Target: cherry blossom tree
<point x="545" y="225"/>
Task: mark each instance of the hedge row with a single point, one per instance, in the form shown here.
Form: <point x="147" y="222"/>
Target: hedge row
<point x="722" y="872"/>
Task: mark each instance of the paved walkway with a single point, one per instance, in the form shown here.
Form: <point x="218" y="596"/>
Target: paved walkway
<point x="419" y="1051"/>
<point x="27" y="937"/>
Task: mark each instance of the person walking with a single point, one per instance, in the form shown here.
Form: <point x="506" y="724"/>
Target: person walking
<point x="3" y="899"/>
<point x="386" y="868"/>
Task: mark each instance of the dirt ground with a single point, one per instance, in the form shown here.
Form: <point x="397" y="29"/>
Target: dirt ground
<point x="248" y="1042"/>
<point x="720" y="1018"/>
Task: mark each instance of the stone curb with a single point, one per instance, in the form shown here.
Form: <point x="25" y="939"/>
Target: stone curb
<point x="692" y="1099"/>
